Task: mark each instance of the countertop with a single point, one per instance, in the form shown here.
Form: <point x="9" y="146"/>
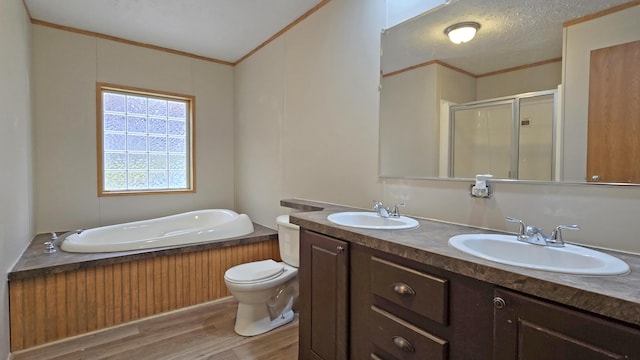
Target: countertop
<point x="617" y="297"/>
<point x="34" y="262"/>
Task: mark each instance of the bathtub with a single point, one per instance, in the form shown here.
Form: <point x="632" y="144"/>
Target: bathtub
<point x="186" y="228"/>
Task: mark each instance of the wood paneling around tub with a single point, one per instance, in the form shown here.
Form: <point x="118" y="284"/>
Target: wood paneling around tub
<point x="55" y="306"/>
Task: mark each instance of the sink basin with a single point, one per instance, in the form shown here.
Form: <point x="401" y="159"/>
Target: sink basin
<point x="570" y="259"/>
<point x="371" y="220"/>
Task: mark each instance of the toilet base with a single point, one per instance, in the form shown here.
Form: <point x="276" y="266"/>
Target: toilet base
<point x="254" y="319"/>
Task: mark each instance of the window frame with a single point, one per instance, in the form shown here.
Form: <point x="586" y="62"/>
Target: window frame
<point x="191" y="135"/>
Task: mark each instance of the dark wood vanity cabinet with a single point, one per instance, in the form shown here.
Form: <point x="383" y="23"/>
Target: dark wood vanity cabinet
<point x="416" y="311"/>
<point x="359" y="303"/>
<point x="530" y="329"/>
<point x="324" y="297"/>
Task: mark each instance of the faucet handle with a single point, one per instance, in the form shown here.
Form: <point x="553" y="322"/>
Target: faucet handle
<point x="395" y="212"/>
<point x="523" y="227"/>
<point x="556" y="235"/>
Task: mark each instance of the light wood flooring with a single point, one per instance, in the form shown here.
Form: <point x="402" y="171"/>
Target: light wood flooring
<point x="200" y="332"/>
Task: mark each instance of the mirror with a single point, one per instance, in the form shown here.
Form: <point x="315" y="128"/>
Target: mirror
<point x="522" y="48"/>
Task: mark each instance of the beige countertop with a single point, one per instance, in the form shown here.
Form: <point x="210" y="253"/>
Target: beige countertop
<point x="616" y="297"/>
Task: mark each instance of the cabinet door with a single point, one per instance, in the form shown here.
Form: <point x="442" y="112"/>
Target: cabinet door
<point x="323" y="297"/>
<point x="529" y="329"/>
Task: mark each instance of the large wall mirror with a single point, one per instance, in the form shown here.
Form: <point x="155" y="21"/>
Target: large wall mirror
<point x="513" y="101"/>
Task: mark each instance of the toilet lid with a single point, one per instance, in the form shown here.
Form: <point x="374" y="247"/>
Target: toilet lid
<point x="254" y="271"/>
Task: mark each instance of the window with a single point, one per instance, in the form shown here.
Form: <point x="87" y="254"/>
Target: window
<point x="145" y="141"/>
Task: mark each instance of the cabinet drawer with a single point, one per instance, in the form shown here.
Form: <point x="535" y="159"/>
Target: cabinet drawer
<point x="403" y="340"/>
<point x="423" y="294"/>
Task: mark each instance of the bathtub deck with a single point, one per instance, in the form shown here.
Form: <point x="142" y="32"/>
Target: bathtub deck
<point x="34" y="262"/>
<point x="203" y="332"/>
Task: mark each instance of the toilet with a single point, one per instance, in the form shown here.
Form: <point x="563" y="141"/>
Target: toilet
<point x="266" y="289"/>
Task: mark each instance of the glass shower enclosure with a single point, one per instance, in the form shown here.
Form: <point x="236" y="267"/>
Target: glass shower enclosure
<point x="510" y="137"/>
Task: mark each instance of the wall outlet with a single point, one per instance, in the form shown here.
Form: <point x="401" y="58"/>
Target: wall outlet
<point x="481" y="193"/>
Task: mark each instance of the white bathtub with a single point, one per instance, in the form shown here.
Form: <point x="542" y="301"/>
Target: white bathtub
<point x="186" y="228"/>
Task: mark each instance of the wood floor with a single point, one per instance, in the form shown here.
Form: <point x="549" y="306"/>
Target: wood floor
<point x="201" y="332"/>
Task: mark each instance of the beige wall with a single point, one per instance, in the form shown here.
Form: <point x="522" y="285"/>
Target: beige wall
<point x="607" y="215"/>
<point x="614" y="29"/>
<point x="537" y="78"/>
<point x="66" y="68"/>
<point x="454" y="86"/>
<point x="307" y="112"/>
<point x="326" y="125"/>
<point x="16" y="148"/>
<point x="259" y="103"/>
<point x="408" y="120"/>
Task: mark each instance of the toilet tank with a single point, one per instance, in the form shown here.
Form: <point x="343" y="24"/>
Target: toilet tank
<point x="289" y="240"/>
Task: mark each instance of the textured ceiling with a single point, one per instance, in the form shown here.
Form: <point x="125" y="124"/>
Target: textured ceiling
<point x="512" y="33"/>
<point x="220" y="29"/>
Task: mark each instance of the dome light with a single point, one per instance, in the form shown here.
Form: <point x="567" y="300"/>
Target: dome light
<point x="462" y="32"/>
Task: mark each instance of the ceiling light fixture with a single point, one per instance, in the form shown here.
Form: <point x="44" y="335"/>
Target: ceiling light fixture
<point x="462" y="32"/>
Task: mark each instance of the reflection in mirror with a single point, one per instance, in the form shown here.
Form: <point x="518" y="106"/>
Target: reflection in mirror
<point x="518" y="49"/>
<point x="511" y="138"/>
<point x="482" y="139"/>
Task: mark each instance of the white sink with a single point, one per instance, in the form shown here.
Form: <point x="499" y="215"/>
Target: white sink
<point x="371" y="220"/>
<point x="570" y="259"/>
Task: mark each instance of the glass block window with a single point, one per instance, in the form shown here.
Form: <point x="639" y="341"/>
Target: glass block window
<point x="145" y="141"/>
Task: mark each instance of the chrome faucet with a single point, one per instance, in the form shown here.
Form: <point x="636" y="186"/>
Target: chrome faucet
<point x="385" y="212"/>
<point x="380" y="209"/>
<point x="534" y="235"/>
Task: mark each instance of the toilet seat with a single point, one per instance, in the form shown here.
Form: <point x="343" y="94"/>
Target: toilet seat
<point x="254" y="272"/>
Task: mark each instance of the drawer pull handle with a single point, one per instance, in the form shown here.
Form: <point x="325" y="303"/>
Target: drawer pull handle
<point x="403" y="344"/>
<point x="403" y="289"/>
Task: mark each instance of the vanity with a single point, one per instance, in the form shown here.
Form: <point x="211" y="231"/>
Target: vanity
<point x="407" y="294"/>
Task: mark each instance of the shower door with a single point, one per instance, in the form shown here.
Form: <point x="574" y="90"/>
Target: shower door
<point x="510" y="138"/>
<point x="536" y="137"/>
<point x="482" y="140"/>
